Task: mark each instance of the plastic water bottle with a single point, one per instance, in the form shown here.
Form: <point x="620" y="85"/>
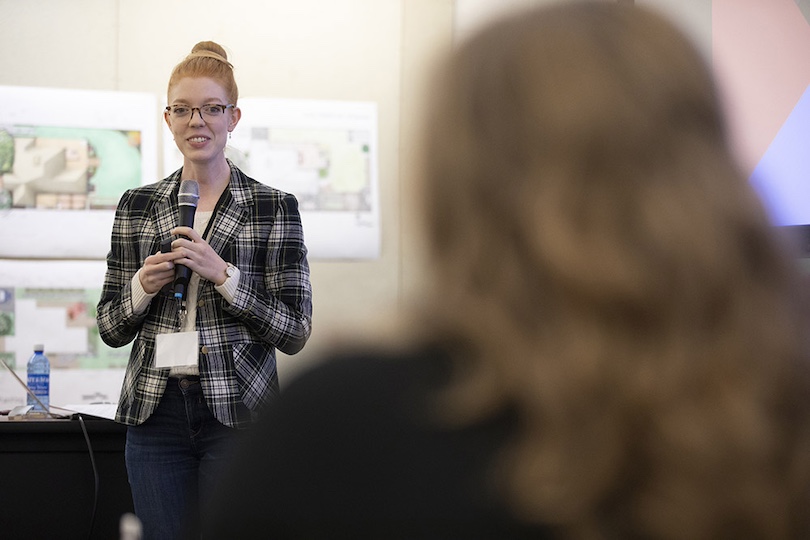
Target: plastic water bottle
<point x="39" y="379"/>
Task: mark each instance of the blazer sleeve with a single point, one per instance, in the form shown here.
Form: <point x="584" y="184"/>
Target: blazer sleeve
<point x="279" y="310"/>
<point x="118" y="324"/>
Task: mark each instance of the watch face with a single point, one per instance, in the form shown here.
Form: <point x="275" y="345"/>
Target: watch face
<point x="231" y="270"/>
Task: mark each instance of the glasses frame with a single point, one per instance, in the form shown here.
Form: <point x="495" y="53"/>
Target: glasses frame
<point x="199" y="110"/>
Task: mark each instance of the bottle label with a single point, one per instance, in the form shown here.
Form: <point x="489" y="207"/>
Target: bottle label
<point x="40" y="386"/>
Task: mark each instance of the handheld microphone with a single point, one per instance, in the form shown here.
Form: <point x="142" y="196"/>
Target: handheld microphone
<point x="187" y="199"/>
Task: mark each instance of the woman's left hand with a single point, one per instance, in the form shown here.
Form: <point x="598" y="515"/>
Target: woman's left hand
<point x="198" y="256"/>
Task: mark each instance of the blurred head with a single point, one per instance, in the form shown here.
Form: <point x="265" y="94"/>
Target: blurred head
<point x="615" y="277"/>
<point x="581" y="145"/>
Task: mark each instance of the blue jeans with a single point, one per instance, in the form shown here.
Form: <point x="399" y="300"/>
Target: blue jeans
<point x="174" y="461"/>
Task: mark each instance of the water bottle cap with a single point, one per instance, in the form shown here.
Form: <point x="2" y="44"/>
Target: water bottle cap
<point x="39" y="348"/>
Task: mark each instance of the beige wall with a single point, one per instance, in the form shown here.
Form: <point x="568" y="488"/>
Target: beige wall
<point x="366" y="50"/>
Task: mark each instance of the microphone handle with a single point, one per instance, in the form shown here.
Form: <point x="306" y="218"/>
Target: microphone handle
<point x="182" y="274"/>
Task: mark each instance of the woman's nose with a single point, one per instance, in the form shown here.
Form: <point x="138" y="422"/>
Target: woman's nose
<point x="200" y="119"/>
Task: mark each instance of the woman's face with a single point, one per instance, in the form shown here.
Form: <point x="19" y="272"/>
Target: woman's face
<point x="201" y="138"/>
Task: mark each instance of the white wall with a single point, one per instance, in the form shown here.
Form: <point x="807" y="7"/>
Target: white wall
<point x="692" y="16"/>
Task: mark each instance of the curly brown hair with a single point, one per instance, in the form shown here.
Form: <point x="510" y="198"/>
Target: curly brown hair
<point x="616" y="279"/>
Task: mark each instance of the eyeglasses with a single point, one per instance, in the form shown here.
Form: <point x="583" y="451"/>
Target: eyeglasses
<point x="209" y="111"/>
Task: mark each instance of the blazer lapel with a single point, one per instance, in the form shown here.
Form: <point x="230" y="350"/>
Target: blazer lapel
<point x="231" y="215"/>
<point x="165" y="212"/>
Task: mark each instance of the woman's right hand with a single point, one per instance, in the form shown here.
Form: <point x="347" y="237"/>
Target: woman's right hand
<point x="157" y="271"/>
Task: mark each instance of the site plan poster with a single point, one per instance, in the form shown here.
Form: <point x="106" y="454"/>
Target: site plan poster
<point x="323" y="152"/>
<point x="53" y="303"/>
<point x="66" y="156"/>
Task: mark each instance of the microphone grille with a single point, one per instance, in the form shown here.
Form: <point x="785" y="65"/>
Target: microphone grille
<point x="189" y="193"/>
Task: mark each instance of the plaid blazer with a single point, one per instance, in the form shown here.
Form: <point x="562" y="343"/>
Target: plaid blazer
<point x="256" y="228"/>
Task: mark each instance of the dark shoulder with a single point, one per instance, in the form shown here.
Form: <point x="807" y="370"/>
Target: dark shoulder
<point x="367" y="393"/>
<point x="375" y="373"/>
<point x="354" y="449"/>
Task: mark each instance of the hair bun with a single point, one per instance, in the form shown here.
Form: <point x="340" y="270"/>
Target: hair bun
<point x="210" y="46"/>
<point x="207" y="59"/>
<point x="210" y="49"/>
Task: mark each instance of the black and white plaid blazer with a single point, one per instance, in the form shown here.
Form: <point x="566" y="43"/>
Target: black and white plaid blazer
<point x="256" y="228"/>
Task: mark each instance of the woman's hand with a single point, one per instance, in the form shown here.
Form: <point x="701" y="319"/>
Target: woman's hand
<point x="195" y="253"/>
<point x="157" y="271"/>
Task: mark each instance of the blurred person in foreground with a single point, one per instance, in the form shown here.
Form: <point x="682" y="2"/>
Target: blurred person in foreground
<point x="611" y="341"/>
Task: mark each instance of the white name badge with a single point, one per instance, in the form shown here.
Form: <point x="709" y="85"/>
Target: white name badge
<point x="179" y="349"/>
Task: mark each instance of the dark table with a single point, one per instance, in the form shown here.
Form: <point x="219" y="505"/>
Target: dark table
<point x="47" y="484"/>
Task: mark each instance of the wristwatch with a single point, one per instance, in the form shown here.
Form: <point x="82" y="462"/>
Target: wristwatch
<point x="230" y="270"/>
